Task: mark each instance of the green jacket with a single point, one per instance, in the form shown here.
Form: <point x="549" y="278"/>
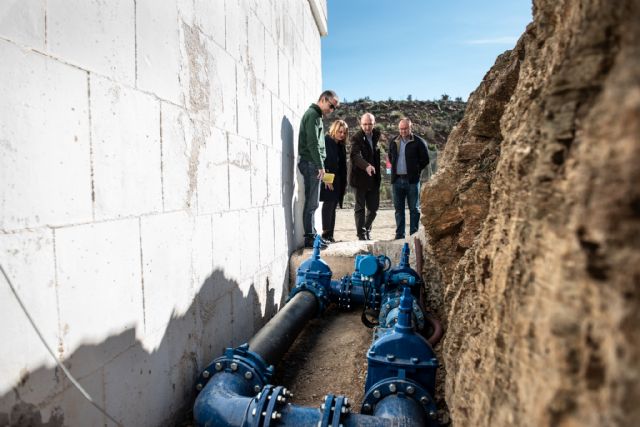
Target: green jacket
<point x="311" y="137"/>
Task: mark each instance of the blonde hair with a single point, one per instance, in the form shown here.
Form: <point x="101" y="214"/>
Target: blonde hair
<point x="335" y="127"/>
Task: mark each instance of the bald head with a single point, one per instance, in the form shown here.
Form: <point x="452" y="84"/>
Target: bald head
<point x="367" y="121"/>
<point x="404" y="126"/>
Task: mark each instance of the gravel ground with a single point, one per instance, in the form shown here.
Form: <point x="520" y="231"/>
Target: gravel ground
<point x="384" y="226"/>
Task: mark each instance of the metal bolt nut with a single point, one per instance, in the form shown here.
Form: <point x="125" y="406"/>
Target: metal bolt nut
<point x="199" y="387"/>
<point x="234" y="366"/>
<point x="366" y="407"/>
<point x="218" y="366"/>
<point x="391" y="357"/>
<point x="256" y="388"/>
<point x="248" y="375"/>
<point x="432" y="414"/>
<point x="392" y="388"/>
<point x="424" y="400"/>
<point x="376" y="394"/>
<point x="415" y="360"/>
<point x="205" y="374"/>
<point x="410" y="389"/>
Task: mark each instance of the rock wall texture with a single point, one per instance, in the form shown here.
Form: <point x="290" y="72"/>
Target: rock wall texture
<point x="533" y="225"/>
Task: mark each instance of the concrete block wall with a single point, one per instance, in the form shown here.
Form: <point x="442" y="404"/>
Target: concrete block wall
<point x="148" y="196"/>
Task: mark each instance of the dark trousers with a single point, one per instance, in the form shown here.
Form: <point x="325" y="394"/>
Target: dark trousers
<point x="309" y="173"/>
<point x="402" y="190"/>
<point x="329" y="217"/>
<point x="369" y="199"/>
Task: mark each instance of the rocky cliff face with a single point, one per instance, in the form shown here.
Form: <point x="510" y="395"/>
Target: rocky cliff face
<point x="533" y="225"/>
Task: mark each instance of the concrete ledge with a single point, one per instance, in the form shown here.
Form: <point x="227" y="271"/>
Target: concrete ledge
<point x="341" y="256"/>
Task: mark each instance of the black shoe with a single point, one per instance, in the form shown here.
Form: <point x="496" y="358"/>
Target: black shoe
<point x="309" y="241"/>
<point x="367" y="235"/>
<point x="362" y="237"/>
<point x="398" y="237"/>
<point x="328" y="238"/>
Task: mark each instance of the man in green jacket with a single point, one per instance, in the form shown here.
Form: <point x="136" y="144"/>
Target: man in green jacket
<point x="312" y="154"/>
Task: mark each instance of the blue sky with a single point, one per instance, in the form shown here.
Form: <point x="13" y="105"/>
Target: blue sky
<point x="422" y="48"/>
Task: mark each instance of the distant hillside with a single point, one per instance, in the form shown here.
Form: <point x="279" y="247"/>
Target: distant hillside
<point x="432" y="120"/>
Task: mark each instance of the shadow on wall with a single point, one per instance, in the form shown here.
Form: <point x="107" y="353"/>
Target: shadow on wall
<point x="289" y="204"/>
<point x="135" y="386"/>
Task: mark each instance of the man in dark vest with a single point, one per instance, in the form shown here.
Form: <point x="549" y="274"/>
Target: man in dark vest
<point x="311" y="150"/>
<point x="364" y="174"/>
<point x="408" y="156"/>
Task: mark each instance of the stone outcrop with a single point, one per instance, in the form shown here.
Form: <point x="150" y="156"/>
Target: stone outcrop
<point x="533" y="223"/>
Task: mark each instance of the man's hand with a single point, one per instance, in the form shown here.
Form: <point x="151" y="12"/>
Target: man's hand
<point x="370" y="170"/>
<point x="320" y="173"/>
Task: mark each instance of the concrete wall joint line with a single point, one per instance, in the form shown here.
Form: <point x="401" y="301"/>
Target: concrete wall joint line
<point x="91" y="159"/>
<point x="55" y="284"/>
<point x="135" y="42"/>
<point x="161" y="161"/>
<point x="144" y="310"/>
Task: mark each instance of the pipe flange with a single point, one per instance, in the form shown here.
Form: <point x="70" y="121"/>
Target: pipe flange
<point x="266" y="409"/>
<point x="242" y="362"/>
<point x="391" y="386"/>
<point x="334" y="410"/>
<point x="344" y="298"/>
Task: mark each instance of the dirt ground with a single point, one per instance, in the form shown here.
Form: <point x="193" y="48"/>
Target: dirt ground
<point x="328" y="357"/>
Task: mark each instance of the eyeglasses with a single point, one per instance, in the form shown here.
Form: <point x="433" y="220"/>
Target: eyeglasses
<point x="332" y="106"/>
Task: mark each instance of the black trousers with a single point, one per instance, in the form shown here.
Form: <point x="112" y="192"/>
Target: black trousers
<point x="369" y="199"/>
<point x="329" y="217"/>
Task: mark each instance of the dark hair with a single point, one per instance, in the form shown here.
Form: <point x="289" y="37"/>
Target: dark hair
<point x="328" y="94"/>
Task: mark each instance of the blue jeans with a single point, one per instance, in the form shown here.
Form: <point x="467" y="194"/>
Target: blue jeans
<point x="402" y="190"/>
<point x="309" y="173"/>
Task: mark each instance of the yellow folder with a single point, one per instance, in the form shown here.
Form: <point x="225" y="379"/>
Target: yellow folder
<point x="328" y="178"/>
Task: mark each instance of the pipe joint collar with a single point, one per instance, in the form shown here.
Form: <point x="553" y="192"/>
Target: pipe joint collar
<point x="334" y="410"/>
<point x="398" y="386"/>
<point x="242" y="362"/>
<point x="267" y="407"/>
<point x="317" y="289"/>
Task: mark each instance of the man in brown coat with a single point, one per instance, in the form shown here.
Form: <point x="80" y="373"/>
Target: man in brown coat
<point x="364" y="174"/>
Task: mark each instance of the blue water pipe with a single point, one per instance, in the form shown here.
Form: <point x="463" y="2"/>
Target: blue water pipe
<point x="234" y="390"/>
